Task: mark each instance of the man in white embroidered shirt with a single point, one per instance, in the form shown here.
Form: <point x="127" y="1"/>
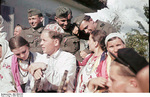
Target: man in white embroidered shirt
<point x="59" y="61"/>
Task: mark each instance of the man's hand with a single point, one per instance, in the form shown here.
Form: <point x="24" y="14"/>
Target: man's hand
<point x="75" y="31"/>
<point x="95" y="82"/>
<point x="38" y="74"/>
<point x="37" y="65"/>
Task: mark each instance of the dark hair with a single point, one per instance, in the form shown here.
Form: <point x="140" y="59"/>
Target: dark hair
<point x="54" y="34"/>
<point x="99" y="36"/>
<point x="18" y="25"/>
<point x="40" y="15"/>
<point x="123" y="70"/>
<point x="17" y="41"/>
<point x="87" y="18"/>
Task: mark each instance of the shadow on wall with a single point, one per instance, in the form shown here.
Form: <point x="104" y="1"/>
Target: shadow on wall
<point x="5" y="12"/>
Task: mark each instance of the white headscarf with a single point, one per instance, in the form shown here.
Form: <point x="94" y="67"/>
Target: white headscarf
<point x="5" y="49"/>
<point x="111" y="35"/>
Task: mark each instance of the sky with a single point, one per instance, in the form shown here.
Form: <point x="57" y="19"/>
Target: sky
<point x="128" y="12"/>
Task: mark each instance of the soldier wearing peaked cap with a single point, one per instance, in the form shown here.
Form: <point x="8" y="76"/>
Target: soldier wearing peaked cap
<point x="70" y="42"/>
<point x="32" y="34"/>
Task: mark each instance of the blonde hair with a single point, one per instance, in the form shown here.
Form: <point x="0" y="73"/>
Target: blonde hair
<point x="123" y="70"/>
<point x="53" y="34"/>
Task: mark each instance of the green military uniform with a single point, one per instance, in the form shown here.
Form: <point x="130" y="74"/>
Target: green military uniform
<point x="33" y="37"/>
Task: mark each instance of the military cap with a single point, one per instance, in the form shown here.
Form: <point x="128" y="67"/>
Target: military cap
<point x="62" y="11"/>
<point x="130" y="58"/>
<point x="78" y="20"/>
<point x="32" y="12"/>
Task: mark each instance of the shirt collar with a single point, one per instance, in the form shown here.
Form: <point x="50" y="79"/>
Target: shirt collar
<point x="39" y="30"/>
<point x="55" y="55"/>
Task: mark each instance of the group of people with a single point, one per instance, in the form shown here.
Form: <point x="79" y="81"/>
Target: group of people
<point x="36" y="59"/>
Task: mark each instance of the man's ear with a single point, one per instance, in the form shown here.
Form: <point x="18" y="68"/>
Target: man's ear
<point x="56" y="18"/>
<point x="41" y="18"/>
<point x="133" y="82"/>
<point x="56" y="42"/>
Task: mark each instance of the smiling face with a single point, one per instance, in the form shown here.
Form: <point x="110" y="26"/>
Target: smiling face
<point x="49" y="45"/>
<point x="35" y="20"/>
<point x="64" y="22"/>
<point x="21" y="52"/>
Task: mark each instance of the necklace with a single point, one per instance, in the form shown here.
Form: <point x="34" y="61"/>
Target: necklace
<point x="25" y="70"/>
<point x="24" y="75"/>
<point x="90" y="65"/>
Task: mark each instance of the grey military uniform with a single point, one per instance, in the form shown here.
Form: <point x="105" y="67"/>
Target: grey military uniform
<point x="71" y="43"/>
<point x="108" y="28"/>
<point x="33" y="37"/>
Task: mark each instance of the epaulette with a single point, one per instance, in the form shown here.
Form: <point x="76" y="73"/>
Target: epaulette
<point x="102" y="25"/>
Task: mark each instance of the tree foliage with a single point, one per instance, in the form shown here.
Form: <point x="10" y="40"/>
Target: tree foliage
<point x="140" y="41"/>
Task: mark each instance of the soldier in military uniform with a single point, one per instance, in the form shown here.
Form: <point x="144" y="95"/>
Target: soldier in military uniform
<point x="32" y="34"/>
<point x="85" y="25"/>
<point x="70" y="43"/>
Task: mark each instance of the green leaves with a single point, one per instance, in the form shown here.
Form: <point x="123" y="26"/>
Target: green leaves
<point x="140" y="41"/>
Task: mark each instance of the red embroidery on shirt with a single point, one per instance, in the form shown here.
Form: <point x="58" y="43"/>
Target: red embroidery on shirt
<point x="1" y="77"/>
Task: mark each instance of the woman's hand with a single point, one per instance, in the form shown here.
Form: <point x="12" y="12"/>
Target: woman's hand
<point x="95" y="82"/>
<point x="83" y="54"/>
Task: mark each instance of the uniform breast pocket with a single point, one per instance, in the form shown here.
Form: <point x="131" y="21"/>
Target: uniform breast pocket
<point x="37" y="41"/>
<point x="30" y="38"/>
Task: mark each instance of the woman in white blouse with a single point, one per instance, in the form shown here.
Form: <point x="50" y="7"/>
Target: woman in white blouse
<point x="6" y="80"/>
<point x="18" y="64"/>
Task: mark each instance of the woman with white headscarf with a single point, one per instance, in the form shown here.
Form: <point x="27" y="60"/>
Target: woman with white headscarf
<point x="5" y="74"/>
